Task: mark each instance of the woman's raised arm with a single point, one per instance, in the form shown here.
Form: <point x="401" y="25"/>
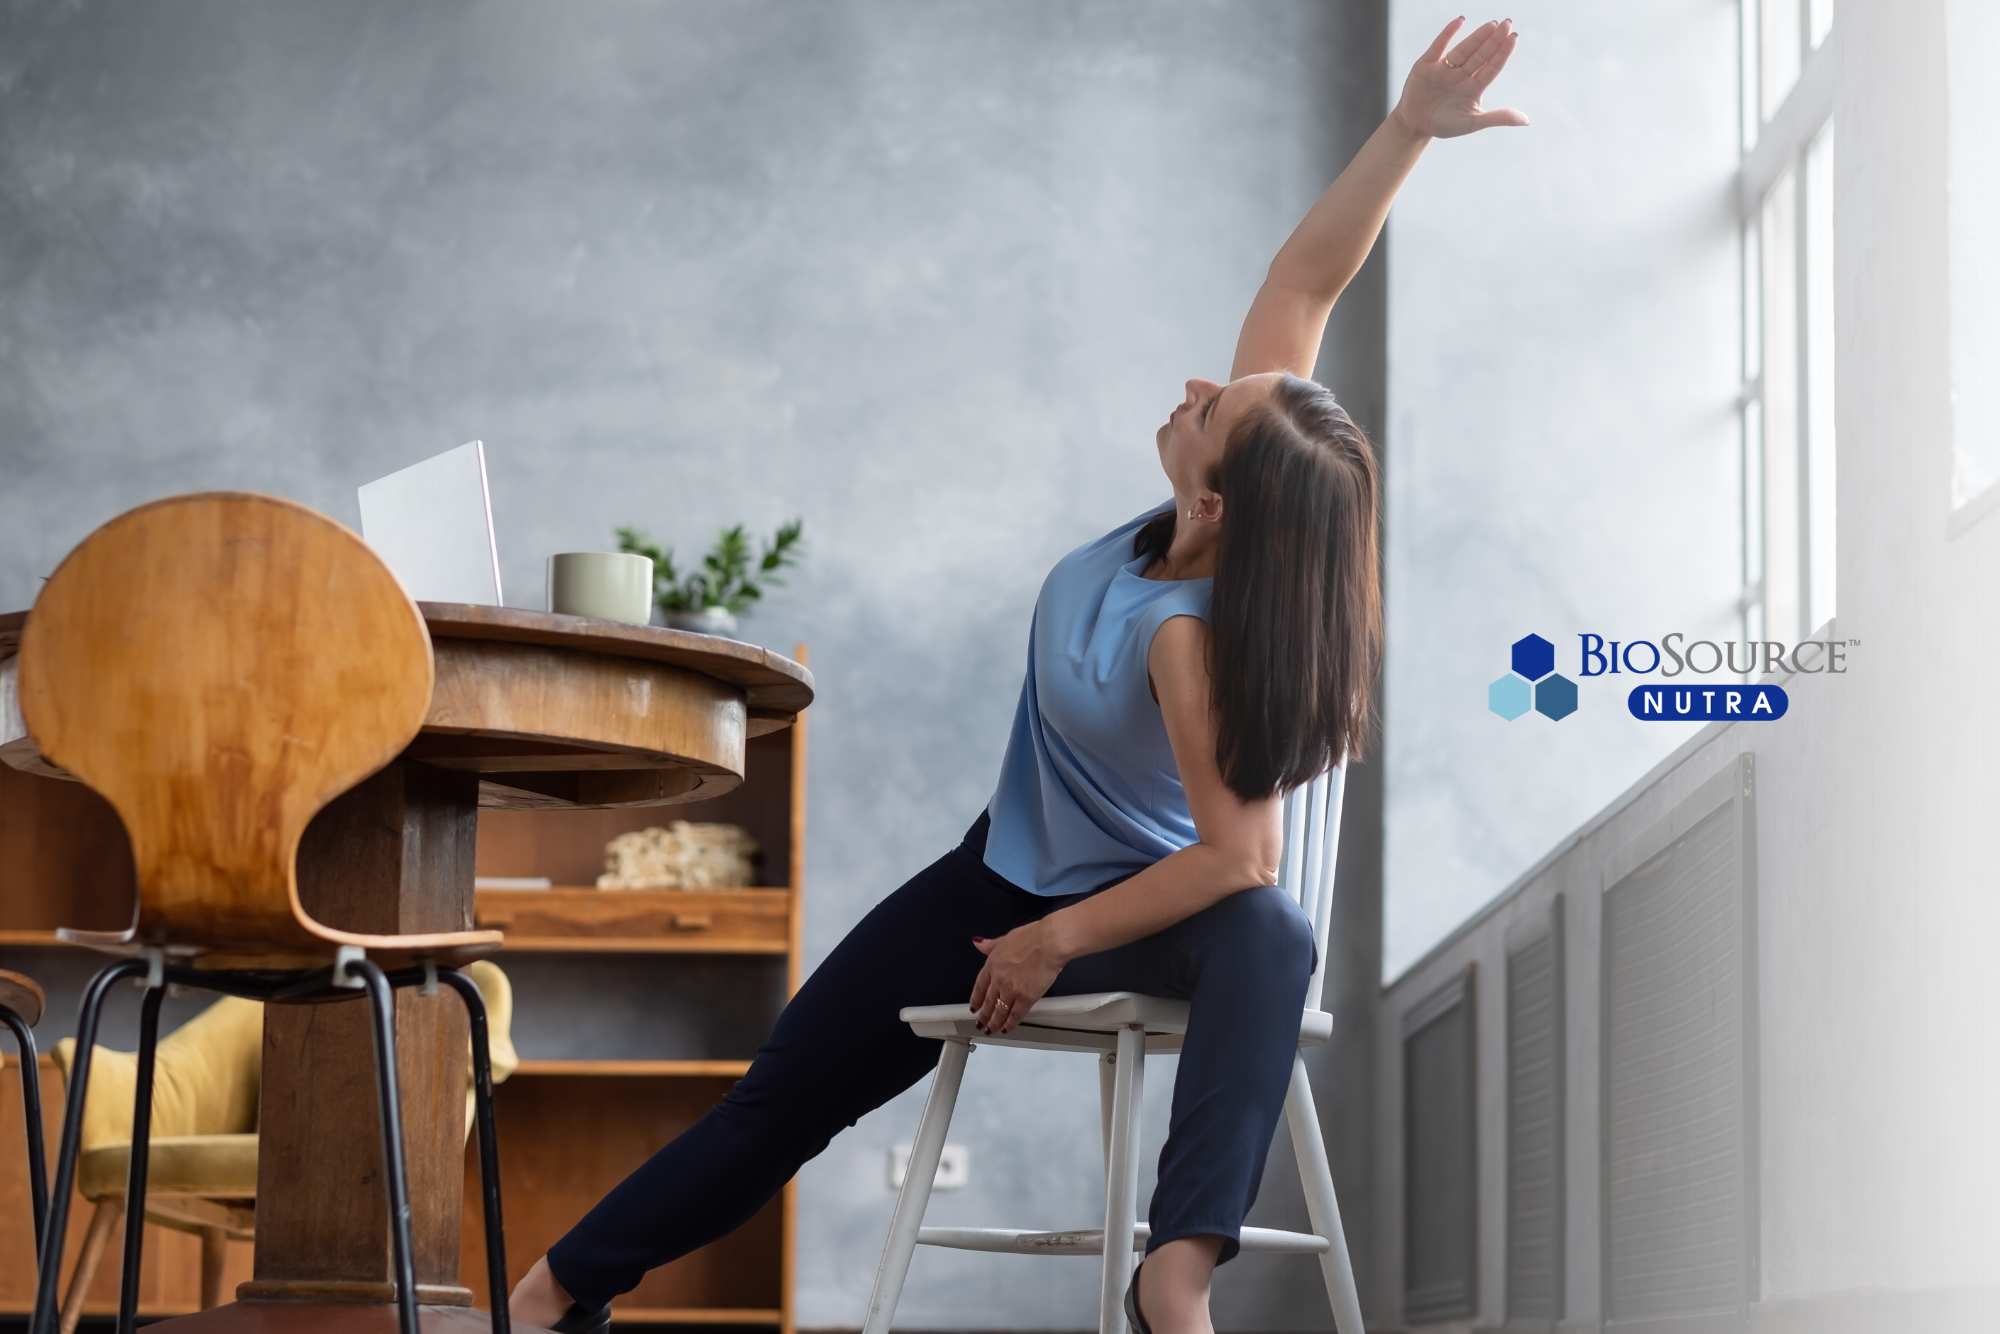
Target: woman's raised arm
<point x="1440" y="100"/>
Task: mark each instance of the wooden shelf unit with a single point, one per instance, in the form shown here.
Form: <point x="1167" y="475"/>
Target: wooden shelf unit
<point x="571" y="1129"/>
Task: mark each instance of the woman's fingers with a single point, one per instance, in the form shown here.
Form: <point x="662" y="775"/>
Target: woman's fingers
<point x="1483" y="78"/>
<point x="1466" y="52"/>
<point x="1486" y="120"/>
<point x="1436" y="51"/>
<point x="994" y="1002"/>
<point x="1487" y="51"/>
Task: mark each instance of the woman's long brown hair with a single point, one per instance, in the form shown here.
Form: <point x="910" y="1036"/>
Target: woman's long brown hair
<point x="1295" y="615"/>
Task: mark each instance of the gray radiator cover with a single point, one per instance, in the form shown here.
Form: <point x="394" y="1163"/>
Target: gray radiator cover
<point x="1677" y="1069"/>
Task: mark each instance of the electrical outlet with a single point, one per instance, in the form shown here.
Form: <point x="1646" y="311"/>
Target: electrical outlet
<point x="954" y="1167"/>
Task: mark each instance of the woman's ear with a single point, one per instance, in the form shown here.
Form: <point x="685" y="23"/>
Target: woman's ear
<point x="1207" y="509"/>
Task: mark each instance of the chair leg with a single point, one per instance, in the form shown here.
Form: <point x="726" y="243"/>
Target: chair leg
<point x="1107" y="1092"/>
<point x="109" y="1210"/>
<point x="46" y="1316"/>
<point x="214" y="1254"/>
<point x="489" y="1144"/>
<point x="382" y="1004"/>
<point x="136" y="1159"/>
<point x="915" y="1196"/>
<point x="31" y="1104"/>
<point x="1316" y="1175"/>
<point x="1121" y="1179"/>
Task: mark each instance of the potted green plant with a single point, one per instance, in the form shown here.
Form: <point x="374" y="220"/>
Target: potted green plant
<point x="729" y="581"/>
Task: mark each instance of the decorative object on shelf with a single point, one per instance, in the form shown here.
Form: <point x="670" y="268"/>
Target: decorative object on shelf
<point x="611" y="585"/>
<point x="683" y="855"/>
<point x="730" y="581"/>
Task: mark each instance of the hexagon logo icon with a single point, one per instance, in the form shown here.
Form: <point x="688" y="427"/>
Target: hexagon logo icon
<point x="1555" y="697"/>
<point x="1534" y="658"/>
<point x="1509" y="696"/>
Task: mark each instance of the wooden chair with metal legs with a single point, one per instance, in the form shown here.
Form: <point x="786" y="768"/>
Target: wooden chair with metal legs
<point x="219" y="667"/>
<point x="1122" y="1028"/>
<point x="21" y="1006"/>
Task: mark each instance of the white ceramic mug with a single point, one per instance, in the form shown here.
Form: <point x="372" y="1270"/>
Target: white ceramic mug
<point x="613" y="585"/>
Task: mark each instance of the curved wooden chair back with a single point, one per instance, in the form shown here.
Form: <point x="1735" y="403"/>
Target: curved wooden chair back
<point x="219" y="667"/>
<point x="22" y="995"/>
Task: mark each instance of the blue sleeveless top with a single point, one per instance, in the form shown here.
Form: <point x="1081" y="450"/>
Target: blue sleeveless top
<point x="1089" y="791"/>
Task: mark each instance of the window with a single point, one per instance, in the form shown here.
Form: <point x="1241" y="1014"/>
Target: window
<point x="1786" y="189"/>
<point x="1973" y="179"/>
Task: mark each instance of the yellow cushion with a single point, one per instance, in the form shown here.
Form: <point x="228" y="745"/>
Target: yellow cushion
<point x="214" y="1165"/>
<point x="498" y="993"/>
<point x="204" y="1078"/>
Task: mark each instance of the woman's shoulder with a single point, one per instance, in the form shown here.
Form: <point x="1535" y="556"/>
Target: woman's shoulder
<point x="1184" y="597"/>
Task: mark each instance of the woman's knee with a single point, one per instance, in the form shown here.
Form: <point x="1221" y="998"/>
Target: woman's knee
<point x="1265" y="921"/>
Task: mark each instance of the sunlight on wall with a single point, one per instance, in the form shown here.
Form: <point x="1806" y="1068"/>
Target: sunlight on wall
<point x="1561" y="447"/>
<point x="1973" y="176"/>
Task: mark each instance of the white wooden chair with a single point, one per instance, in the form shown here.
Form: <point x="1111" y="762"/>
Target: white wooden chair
<point x="1121" y="1028"/>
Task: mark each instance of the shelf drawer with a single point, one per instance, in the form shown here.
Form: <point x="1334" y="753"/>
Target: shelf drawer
<point x="718" y="921"/>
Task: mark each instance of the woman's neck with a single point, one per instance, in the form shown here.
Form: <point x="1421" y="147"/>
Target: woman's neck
<point x="1191" y="555"/>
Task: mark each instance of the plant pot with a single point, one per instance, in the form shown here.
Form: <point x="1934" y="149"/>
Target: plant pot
<point x="708" y="621"/>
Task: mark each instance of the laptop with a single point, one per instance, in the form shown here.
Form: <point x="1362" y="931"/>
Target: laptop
<point x="433" y="524"/>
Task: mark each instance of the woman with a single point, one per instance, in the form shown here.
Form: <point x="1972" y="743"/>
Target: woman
<point x="1185" y="671"/>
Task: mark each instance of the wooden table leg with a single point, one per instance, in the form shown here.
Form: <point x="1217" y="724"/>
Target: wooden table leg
<point x="393" y="855"/>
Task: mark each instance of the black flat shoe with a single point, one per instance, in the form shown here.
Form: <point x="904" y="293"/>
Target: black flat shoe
<point x="576" y="1320"/>
<point x="1133" y="1316"/>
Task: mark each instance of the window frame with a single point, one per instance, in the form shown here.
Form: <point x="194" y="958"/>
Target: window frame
<point x="1779" y="153"/>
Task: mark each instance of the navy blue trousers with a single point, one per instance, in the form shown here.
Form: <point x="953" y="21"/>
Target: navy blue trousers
<point x="838" y="1052"/>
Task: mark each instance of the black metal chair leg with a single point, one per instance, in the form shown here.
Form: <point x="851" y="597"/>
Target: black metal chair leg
<point x="31" y="1104"/>
<point x="489" y="1144"/>
<point x="382" y="1002"/>
<point x="137" y="1159"/>
<point x="45" y="1318"/>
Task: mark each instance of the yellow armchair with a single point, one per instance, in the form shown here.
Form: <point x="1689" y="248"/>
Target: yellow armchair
<point x="201" y="1171"/>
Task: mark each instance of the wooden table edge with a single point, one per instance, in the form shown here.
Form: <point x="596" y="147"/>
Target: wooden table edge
<point x="772" y="683"/>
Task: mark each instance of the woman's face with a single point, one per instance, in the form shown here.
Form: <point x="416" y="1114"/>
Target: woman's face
<point x="1192" y="441"/>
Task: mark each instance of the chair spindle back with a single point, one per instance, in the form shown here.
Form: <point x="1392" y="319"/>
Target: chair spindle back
<point x="1312" y="844"/>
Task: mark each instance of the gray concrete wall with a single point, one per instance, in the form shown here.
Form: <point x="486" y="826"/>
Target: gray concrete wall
<point x="928" y="275"/>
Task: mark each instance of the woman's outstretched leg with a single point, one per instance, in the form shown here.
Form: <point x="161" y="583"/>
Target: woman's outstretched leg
<point x="836" y="1053"/>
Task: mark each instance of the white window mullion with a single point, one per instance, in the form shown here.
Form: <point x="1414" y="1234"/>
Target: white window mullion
<point x="1817" y="370"/>
<point x="1785" y="190"/>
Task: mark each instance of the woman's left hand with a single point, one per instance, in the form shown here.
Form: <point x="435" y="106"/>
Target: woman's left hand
<point x="1020" y="968"/>
<point x="1441" y="96"/>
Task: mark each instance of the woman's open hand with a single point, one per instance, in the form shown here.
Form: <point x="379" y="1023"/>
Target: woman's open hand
<point x="1441" y="96"/>
<point x="1020" y="968"/>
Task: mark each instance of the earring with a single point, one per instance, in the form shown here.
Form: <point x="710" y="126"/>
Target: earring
<point x="1190" y="516"/>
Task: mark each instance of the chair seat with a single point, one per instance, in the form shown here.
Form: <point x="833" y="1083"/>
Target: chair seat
<point x="223" y="1166"/>
<point x="1089" y="1023"/>
<point x="451" y="948"/>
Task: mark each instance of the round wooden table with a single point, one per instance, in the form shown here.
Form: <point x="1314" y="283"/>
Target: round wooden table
<point x="530" y="711"/>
